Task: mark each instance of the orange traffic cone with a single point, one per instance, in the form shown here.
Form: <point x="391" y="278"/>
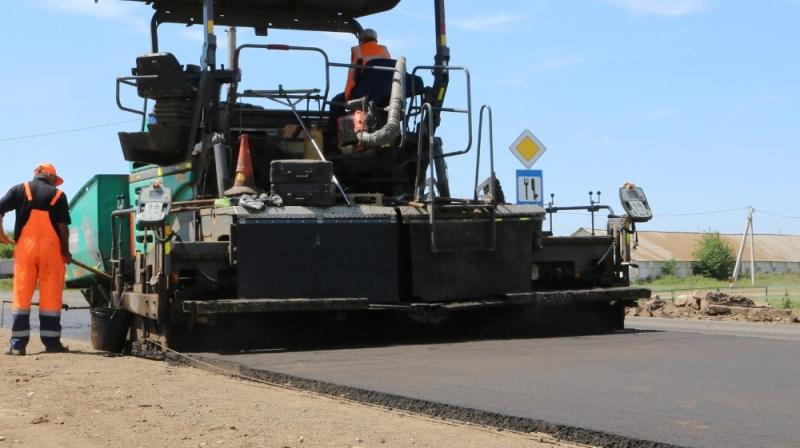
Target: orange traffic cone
<point x="243" y="182"/>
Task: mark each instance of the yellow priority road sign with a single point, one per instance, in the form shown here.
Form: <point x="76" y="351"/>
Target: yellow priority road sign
<point x="527" y="148"/>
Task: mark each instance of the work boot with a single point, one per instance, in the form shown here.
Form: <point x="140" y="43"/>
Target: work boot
<point x="15" y="352"/>
<point x="56" y="348"/>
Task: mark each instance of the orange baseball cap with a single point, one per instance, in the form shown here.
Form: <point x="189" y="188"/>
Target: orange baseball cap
<point x="48" y="168"/>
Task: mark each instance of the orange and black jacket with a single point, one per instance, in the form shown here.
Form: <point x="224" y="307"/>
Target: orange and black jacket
<point x="43" y="192"/>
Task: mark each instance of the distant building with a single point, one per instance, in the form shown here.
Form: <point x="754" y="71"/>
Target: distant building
<point x="773" y="253"/>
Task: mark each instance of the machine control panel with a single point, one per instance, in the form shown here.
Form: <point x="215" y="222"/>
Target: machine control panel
<point x="635" y="203"/>
<point x="153" y="205"/>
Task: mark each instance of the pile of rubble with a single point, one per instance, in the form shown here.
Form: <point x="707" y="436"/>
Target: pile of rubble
<point x="712" y="306"/>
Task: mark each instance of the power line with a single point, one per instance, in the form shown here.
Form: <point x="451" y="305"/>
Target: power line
<point x="710" y="212"/>
<point x="778" y="215"/>
<point x="714" y="212"/>
<point x="66" y="131"/>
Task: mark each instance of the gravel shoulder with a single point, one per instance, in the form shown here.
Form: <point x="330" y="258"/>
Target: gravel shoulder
<point x="86" y="399"/>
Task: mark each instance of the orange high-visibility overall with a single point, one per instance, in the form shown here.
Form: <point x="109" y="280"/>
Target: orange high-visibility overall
<point x="365" y="53"/>
<point x="37" y="257"/>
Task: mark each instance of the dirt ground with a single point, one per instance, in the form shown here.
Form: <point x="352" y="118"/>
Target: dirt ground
<point x="85" y="399"/>
<point x="713" y="306"/>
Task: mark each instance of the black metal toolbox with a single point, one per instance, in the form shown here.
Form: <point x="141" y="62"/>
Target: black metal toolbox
<point x="301" y="171"/>
<point x="311" y="195"/>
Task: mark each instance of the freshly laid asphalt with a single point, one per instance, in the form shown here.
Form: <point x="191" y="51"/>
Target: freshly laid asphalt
<point x="75" y="323"/>
<point x="685" y="383"/>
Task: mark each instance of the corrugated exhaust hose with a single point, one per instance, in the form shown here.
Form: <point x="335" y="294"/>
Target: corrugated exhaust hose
<point x="386" y="135"/>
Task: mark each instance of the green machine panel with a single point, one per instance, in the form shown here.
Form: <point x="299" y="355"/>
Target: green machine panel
<point x="90" y="231"/>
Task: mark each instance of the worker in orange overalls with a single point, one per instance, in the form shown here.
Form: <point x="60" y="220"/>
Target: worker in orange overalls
<point x="41" y="254"/>
<point x="367" y="50"/>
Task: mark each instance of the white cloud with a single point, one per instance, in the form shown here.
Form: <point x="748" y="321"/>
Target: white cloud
<point x="487" y="23"/>
<point x="105" y="9"/>
<point x="523" y="75"/>
<point x="131" y="15"/>
<point x="670" y="8"/>
<point x="422" y="17"/>
<point x="559" y="62"/>
<point x="605" y="141"/>
<point x="122" y="12"/>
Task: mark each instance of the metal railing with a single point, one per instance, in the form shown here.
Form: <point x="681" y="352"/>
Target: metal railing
<point x="417" y="111"/>
<point x="431" y="198"/>
<point x="282" y="47"/>
<point x="133" y="82"/>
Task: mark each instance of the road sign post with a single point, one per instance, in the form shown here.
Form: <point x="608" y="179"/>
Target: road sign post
<point x="527" y="148"/>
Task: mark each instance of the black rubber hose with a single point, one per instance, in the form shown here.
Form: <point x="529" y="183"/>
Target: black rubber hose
<point x="386" y="135"/>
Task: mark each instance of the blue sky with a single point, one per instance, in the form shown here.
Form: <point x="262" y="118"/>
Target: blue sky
<point x="694" y="100"/>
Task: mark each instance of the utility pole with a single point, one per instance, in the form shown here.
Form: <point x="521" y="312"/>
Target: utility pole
<point x="737" y="267"/>
<point x="752" y="246"/>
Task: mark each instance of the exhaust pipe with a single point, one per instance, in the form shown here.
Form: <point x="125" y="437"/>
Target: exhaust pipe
<point x="220" y="163"/>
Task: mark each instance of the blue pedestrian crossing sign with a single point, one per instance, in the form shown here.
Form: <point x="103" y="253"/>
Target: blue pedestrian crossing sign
<point x="529" y="187"/>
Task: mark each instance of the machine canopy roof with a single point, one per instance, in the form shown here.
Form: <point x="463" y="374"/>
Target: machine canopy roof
<point x="320" y="15"/>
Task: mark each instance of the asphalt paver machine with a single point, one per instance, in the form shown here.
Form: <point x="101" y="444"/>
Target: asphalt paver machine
<point x="280" y="214"/>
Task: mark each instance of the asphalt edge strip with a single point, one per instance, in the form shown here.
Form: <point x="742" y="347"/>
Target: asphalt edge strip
<point x="418" y="406"/>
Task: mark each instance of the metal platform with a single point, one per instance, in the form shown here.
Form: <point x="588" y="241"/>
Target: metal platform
<point x="233" y="306"/>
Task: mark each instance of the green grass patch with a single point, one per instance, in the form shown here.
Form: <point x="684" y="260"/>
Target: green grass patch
<point x="5" y="284"/>
<point x="699" y="282"/>
<point x="674" y="282"/>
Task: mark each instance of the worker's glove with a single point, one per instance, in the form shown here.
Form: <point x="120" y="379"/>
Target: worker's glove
<point x="67" y="256"/>
<point x="253" y="202"/>
<point x="275" y="200"/>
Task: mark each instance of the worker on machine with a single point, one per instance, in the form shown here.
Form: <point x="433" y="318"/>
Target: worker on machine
<point x="41" y="254"/>
<point x="368" y="49"/>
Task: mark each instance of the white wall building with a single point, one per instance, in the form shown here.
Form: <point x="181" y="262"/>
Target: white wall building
<point x="773" y="253"/>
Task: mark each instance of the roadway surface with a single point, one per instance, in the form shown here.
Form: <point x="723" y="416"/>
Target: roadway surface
<point x="685" y="383"/>
<point x="682" y="382"/>
<point x="75" y="324"/>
